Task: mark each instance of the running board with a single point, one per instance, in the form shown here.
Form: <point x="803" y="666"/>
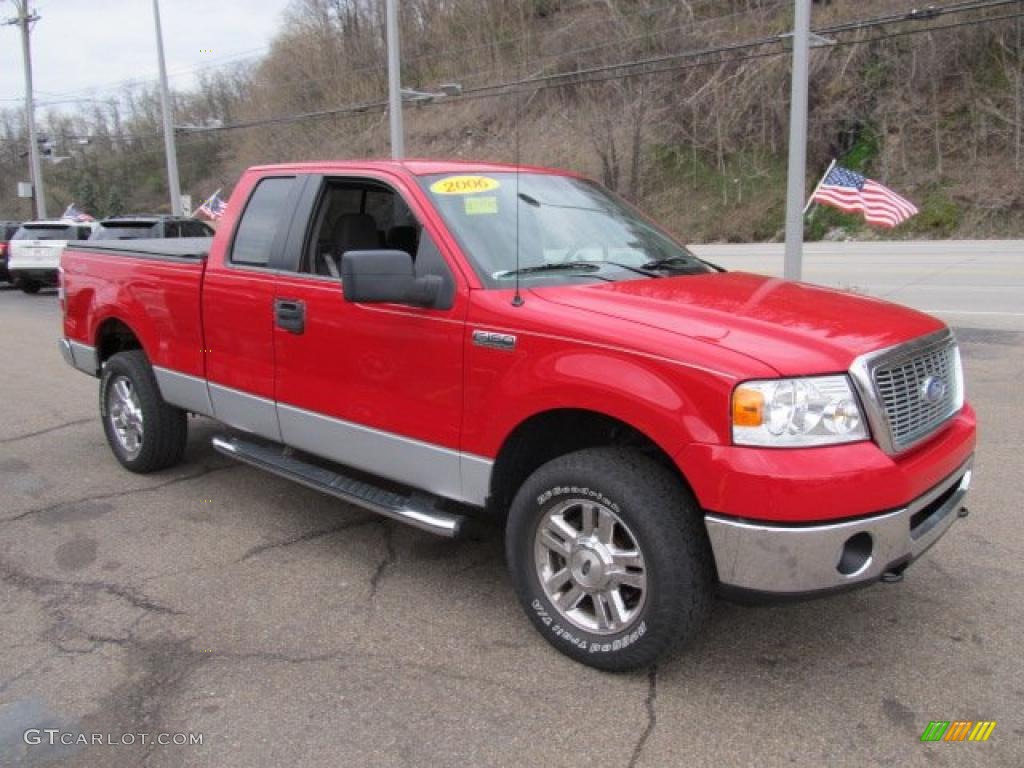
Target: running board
<point x="417" y="510"/>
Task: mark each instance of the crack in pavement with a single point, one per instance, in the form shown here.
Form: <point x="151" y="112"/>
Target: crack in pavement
<point x="652" y="716"/>
<point x="387" y="662"/>
<point x="39" y="432"/>
<point x="161" y="671"/>
<point x="46" y="587"/>
<point x="259" y="549"/>
<point x="204" y="470"/>
<point x="284" y="658"/>
<point x="390" y="557"/>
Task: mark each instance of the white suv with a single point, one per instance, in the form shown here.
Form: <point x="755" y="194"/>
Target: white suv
<point x="35" y="249"/>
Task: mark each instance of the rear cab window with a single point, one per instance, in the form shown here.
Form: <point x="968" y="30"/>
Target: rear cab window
<point x="263" y="222"/>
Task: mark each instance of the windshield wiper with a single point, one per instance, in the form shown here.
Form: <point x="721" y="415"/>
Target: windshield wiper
<point x="670" y="261"/>
<point x="591" y="266"/>
<point x="556" y="267"/>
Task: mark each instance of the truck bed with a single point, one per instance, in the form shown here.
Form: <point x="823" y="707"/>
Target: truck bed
<point x="153" y="287"/>
<point x="191" y="248"/>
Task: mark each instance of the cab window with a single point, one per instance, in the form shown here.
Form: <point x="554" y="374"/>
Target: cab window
<point x="262" y="220"/>
<point x="359" y="215"/>
<point x="367" y="215"/>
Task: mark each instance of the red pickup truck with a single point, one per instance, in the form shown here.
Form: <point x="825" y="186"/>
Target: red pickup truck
<point x="434" y="340"/>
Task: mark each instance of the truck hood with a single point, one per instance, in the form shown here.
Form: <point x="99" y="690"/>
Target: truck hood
<point x="792" y="327"/>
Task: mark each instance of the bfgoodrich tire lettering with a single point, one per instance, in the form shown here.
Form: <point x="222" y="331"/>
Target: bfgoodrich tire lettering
<point x="145" y="433"/>
<point x="617" y="589"/>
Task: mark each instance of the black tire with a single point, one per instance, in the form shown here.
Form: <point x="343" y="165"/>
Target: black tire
<point x="165" y="428"/>
<point x="30" y="286"/>
<point x="662" y="518"/>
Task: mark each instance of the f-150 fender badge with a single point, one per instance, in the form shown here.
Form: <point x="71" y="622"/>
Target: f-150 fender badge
<point x="496" y="340"/>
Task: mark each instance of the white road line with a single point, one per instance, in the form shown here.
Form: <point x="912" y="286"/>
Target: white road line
<point x="972" y="312"/>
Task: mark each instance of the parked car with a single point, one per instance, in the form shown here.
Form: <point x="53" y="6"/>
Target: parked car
<point x="433" y="340"/>
<point x="35" y="249"/>
<point x="7" y="230"/>
<point x="143" y="226"/>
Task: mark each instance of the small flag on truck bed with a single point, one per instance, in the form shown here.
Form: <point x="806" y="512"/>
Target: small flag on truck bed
<point x="851" y="192"/>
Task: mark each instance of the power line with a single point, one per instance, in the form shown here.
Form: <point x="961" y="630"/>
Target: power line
<point x="649" y="66"/>
<point x="136" y="82"/>
<point x="693" y="25"/>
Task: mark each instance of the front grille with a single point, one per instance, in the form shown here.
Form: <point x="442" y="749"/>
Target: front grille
<point x="901" y="381"/>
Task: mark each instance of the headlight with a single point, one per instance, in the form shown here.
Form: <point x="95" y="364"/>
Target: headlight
<point x="818" y="410"/>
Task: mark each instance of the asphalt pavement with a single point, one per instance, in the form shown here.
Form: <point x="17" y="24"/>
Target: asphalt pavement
<point x="288" y="629"/>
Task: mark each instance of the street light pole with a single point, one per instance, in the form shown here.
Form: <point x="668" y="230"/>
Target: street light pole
<point x="795" y="190"/>
<point x="165" y="101"/>
<point x="23" y="19"/>
<point x="395" y="82"/>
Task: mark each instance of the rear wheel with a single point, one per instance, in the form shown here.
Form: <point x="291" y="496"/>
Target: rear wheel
<point x="30" y="286"/>
<point x="145" y="433"/>
<point x="609" y="557"/>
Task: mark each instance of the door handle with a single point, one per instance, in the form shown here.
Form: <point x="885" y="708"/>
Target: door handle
<point x="290" y="315"/>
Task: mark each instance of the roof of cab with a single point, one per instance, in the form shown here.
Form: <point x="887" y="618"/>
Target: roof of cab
<point x="416" y="167"/>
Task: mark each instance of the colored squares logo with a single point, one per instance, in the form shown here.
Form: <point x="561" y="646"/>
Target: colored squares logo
<point x="958" y="730"/>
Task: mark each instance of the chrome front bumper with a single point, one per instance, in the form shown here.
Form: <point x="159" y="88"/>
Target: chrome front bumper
<point x="790" y="560"/>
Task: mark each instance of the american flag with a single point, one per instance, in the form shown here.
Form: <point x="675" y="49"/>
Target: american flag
<point x="850" y="192"/>
<point x="214" y="207"/>
<point x="73" y="214"/>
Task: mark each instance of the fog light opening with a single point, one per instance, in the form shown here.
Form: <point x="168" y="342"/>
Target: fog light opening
<point x="856" y="555"/>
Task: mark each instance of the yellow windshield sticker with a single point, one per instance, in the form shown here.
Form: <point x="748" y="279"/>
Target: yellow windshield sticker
<point x="463" y="185"/>
<point x="476" y="206"/>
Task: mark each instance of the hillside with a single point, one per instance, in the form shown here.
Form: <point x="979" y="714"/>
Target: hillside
<point x="931" y="106"/>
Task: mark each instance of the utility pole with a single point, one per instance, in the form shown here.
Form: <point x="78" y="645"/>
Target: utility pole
<point x="795" y="190"/>
<point x="23" y="19"/>
<point x="165" y="101"/>
<point x="395" y="82"/>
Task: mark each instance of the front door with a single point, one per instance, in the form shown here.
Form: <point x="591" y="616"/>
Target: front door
<point x="377" y="387"/>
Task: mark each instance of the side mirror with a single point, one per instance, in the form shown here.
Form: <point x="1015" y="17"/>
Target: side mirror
<point x="386" y="277"/>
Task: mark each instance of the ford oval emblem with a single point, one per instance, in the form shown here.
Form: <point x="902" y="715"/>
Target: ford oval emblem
<point x="933" y="390"/>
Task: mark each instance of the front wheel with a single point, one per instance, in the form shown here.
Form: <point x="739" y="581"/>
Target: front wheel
<point x="144" y="432"/>
<point x="30" y="286"/>
<point x="609" y="557"/>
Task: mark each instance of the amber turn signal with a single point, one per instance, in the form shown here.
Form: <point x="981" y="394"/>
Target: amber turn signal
<point x="747" y="408"/>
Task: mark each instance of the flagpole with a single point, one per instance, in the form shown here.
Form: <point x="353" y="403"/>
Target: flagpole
<point x="821" y="181"/>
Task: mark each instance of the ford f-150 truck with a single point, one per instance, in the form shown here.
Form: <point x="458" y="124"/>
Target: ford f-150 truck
<point x="434" y="340"/>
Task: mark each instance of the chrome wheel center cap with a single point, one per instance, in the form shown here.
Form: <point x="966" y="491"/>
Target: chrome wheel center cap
<point x="589" y="564"/>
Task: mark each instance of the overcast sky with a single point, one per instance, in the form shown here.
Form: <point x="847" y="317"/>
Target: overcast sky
<point x="84" y="47"/>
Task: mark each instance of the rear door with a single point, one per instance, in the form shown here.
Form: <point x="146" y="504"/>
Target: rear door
<point x="238" y="307"/>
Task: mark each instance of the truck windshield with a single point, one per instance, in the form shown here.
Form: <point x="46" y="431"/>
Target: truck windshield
<point x="568" y="230"/>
